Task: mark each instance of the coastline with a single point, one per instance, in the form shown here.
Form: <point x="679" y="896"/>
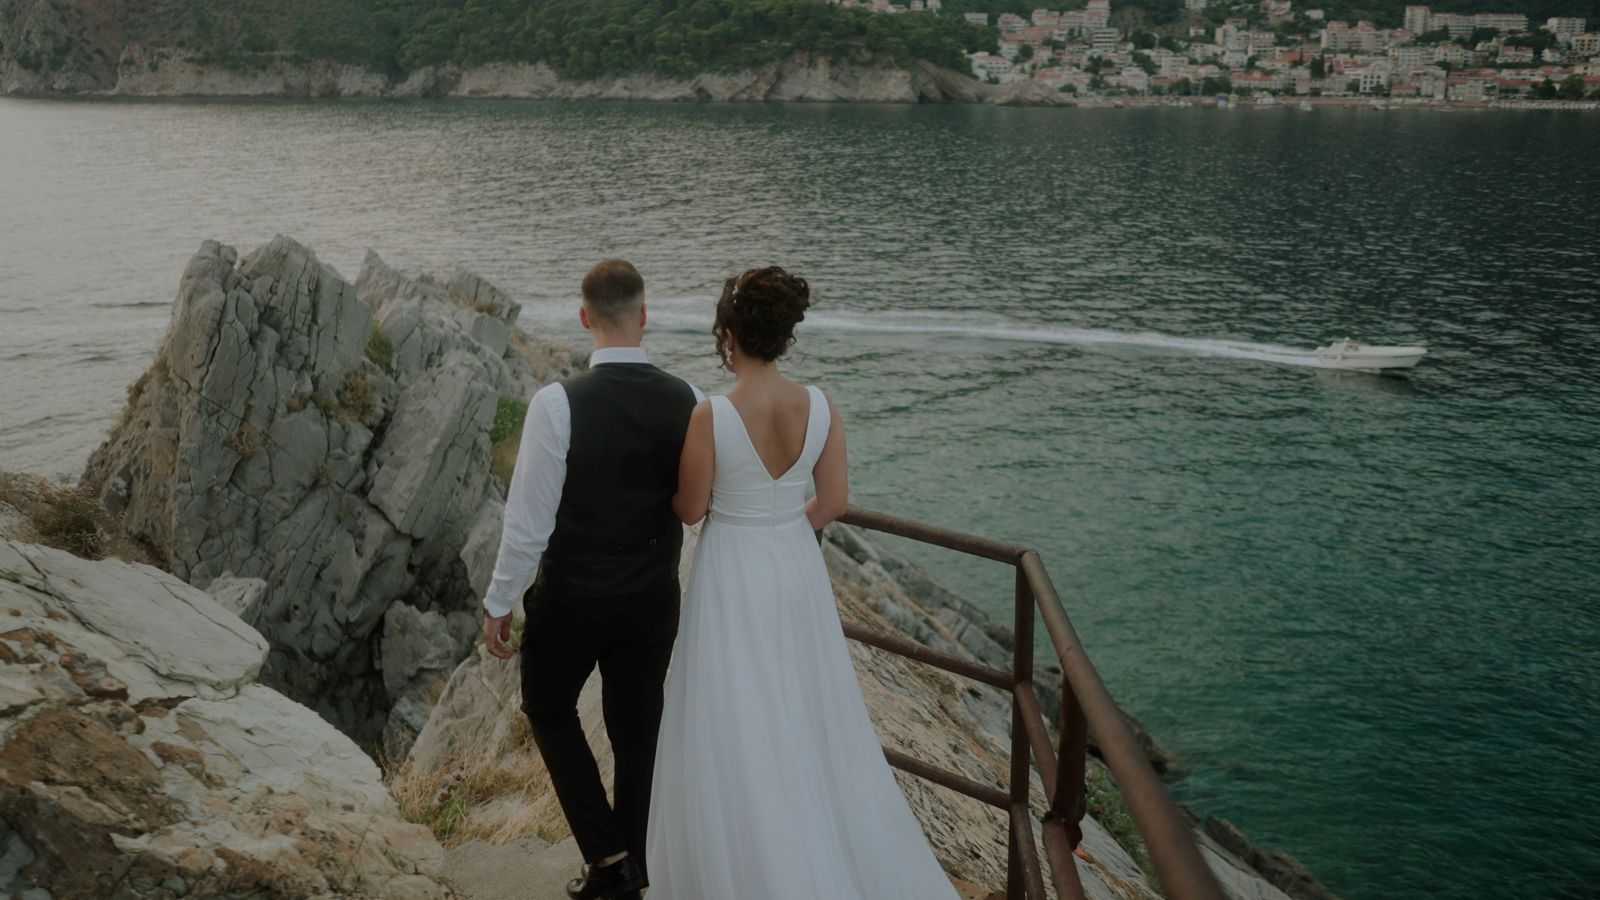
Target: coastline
<point x="799" y="79"/>
<point x="164" y="74"/>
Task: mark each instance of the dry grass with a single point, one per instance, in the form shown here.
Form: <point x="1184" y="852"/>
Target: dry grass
<point x="328" y="406"/>
<point x="503" y="459"/>
<point x="137" y="391"/>
<point x="358" y="397"/>
<point x="244" y="441"/>
<point x="69" y="517"/>
<point x="445" y="798"/>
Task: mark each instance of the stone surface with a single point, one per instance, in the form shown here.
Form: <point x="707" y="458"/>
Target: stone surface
<point x="240" y="596"/>
<point x="13" y="523"/>
<point x="139" y="758"/>
<point x="277" y="454"/>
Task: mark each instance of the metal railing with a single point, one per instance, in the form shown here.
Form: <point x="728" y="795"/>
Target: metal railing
<point x="1086" y="708"/>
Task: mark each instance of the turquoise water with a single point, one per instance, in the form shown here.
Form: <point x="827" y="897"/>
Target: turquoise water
<point x="1365" y="611"/>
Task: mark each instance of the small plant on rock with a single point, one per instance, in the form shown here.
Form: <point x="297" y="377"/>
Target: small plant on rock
<point x="505" y="438"/>
<point x="243" y="441"/>
<point x="508" y="416"/>
<point x="359" y="397"/>
<point x="379" y="350"/>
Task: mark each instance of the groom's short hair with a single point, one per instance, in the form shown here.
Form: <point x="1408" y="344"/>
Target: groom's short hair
<point x="612" y="290"/>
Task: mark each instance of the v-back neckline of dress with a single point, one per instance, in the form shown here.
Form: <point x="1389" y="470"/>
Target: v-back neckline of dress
<point x="750" y="442"/>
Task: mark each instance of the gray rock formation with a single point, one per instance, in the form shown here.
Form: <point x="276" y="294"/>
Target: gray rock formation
<point x="139" y="757"/>
<point x="475" y="748"/>
<point x="329" y="441"/>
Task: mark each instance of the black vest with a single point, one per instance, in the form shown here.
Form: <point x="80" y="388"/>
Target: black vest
<point x="615" y="530"/>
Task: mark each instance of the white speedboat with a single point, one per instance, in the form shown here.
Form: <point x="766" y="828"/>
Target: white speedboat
<point x="1349" y="354"/>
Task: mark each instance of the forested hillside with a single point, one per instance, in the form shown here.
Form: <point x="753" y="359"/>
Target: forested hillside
<point x="579" y="38"/>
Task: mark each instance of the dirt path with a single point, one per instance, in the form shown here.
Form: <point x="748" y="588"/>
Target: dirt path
<point x="530" y="869"/>
<point x="526" y="869"/>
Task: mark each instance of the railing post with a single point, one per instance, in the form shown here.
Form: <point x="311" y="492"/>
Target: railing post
<point x="1022" y="673"/>
<point x="1068" y="805"/>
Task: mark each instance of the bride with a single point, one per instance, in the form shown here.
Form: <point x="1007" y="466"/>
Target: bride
<point x="769" y="780"/>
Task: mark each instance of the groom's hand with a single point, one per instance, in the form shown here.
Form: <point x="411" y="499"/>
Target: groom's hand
<point x="496" y="632"/>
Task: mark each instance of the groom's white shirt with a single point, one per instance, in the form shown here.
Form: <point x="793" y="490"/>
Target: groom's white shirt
<point x="536" y="485"/>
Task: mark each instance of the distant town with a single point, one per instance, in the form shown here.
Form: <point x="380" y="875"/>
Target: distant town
<point x="1271" y="50"/>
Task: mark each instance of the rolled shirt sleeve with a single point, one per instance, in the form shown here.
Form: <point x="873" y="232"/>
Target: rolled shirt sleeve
<point x="531" y="502"/>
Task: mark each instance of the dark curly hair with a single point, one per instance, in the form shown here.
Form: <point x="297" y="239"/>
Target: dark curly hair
<point x="760" y="309"/>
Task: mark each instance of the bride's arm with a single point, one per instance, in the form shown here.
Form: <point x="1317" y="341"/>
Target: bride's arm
<point x="695" y="466"/>
<point x="830" y="475"/>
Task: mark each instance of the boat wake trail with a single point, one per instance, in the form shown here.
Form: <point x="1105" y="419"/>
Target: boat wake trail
<point x="1017" y="332"/>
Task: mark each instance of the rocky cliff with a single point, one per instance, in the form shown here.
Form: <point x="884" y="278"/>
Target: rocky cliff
<point x="324" y="448"/>
<point x="475" y="773"/>
<point x="140" y="758"/>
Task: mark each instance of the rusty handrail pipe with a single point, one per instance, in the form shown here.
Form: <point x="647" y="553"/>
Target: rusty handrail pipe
<point x="1182" y="871"/>
<point x="1086" y="706"/>
<point x="969" y="544"/>
<point x="928" y="656"/>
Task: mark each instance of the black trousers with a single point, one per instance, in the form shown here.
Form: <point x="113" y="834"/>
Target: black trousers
<point x="629" y="637"/>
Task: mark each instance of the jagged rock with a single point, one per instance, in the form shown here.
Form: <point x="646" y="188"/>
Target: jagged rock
<point x="138" y="758"/>
<point x="1221" y="839"/>
<point x="240" y="596"/>
<point x="330" y="441"/>
<point x="13" y="523"/>
<point x="433" y="468"/>
<point x="482" y="548"/>
<point x="419" y="651"/>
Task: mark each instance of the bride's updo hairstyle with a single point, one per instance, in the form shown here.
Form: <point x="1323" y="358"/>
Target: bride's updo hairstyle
<point x="760" y="310"/>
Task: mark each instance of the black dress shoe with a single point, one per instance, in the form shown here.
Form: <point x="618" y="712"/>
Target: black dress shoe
<point x="621" y="880"/>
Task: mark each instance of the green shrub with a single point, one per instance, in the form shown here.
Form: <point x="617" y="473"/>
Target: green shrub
<point x="1106" y="805"/>
<point x="508" y="416"/>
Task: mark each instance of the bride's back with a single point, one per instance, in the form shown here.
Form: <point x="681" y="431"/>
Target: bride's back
<point x="776" y="418"/>
<point x="749" y="456"/>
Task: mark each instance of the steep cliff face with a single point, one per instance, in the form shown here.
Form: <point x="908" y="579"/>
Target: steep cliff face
<point x="332" y="441"/>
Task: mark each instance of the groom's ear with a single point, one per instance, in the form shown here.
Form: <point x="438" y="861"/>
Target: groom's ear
<point x="642" y="315"/>
<point x="583" y="316"/>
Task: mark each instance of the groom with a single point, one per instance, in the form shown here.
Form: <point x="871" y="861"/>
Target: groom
<point x="590" y="545"/>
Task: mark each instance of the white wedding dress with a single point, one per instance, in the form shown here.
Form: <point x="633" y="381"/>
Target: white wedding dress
<point x="769" y="780"/>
